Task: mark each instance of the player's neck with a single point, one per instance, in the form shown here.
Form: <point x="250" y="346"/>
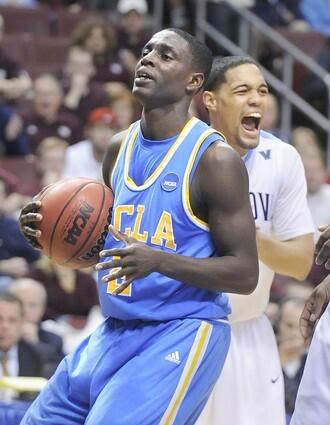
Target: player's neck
<point x="160" y="125"/>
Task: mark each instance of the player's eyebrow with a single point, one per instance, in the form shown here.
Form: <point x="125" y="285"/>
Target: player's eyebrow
<point x="247" y="86"/>
<point x="160" y="46"/>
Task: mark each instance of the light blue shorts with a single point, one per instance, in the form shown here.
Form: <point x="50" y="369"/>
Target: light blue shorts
<point x="134" y="373"/>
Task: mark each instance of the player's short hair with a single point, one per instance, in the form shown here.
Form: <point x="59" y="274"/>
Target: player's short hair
<point x="221" y="65"/>
<point x="201" y="54"/>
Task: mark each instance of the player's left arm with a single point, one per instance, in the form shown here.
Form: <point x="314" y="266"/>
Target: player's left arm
<point x="220" y="197"/>
<point x="290" y="252"/>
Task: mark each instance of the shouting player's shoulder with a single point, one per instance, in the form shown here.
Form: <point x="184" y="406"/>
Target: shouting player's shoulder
<point x="271" y="147"/>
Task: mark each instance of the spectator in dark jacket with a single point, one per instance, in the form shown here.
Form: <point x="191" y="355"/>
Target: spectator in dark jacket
<point x="34" y="300"/>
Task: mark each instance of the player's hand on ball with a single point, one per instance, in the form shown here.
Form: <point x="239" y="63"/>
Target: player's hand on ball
<point x="134" y="260"/>
<point x="29" y="216"/>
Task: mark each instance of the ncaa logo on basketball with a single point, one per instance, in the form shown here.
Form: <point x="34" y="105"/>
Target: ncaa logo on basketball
<point x="170" y="182"/>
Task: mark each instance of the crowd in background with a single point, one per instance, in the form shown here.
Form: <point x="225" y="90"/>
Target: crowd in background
<point x="56" y="121"/>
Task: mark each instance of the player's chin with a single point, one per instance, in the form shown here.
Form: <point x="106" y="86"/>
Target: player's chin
<point x="141" y="93"/>
<point x="145" y="96"/>
<point x="249" y="141"/>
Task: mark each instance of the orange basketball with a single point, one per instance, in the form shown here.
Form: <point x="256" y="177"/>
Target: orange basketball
<point x="76" y="215"/>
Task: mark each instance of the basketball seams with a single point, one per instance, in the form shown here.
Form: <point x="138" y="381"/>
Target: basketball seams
<point x="46" y="189"/>
<point x="76" y="224"/>
<point x="75" y="254"/>
<point x="60" y="215"/>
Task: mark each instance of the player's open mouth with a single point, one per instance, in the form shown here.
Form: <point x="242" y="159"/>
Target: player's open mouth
<point x="142" y="76"/>
<point x="251" y="123"/>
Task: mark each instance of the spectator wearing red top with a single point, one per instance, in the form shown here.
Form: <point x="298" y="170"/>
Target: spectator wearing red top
<point x="45" y="118"/>
<point x="102" y="124"/>
<point x="69" y="292"/>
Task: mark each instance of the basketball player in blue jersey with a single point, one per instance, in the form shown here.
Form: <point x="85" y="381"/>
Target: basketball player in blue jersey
<point x="182" y="233"/>
<point x="235" y="96"/>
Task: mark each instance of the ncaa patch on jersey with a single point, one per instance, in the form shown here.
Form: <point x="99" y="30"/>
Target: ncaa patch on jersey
<point x="170" y="182"/>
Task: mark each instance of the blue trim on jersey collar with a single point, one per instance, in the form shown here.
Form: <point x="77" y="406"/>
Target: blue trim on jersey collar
<point x="247" y="156"/>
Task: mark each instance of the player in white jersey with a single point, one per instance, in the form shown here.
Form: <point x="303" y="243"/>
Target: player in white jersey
<point x="313" y="398"/>
<point x="251" y="390"/>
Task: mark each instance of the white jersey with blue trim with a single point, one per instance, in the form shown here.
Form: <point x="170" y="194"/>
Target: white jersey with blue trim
<point x="278" y="195"/>
<point x="151" y="182"/>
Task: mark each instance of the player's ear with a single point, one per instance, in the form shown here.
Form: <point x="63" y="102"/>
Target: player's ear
<point x="195" y="83"/>
<point x="209" y="100"/>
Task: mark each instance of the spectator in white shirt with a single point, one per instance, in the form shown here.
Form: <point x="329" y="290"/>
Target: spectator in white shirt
<point x="84" y="159"/>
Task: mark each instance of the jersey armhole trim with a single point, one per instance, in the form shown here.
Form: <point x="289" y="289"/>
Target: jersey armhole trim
<point x="186" y="179"/>
<point x="122" y="144"/>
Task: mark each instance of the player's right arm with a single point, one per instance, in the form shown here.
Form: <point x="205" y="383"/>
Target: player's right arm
<point x="111" y="157"/>
<point x="29" y="215"/>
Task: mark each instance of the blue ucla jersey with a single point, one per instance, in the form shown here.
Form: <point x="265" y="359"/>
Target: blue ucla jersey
<point x="151" y="184"/>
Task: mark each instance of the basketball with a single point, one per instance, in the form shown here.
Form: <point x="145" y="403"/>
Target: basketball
<point x="76" y="215"/>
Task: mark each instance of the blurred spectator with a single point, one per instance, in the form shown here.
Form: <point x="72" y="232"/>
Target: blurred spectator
<point x="103" y="4"/>
<point x="84" y="159"/>
<point x="318" y="191"/>
<point x="318" y="195"/>
<point x="14" y="200"/>
<point x="305" y="140"/>
<point x="81" y="95"/>
<point x="45" y="119"/>
<point x="47" y="165"/>
<point x="18" y="357"/>
<point x="123" y="103"/>
<point x="69" y="292"/>
<point x="50" y="157"/>
<point x="314" y="89"/>
<point x="13" y="139"/>
<point x="179" y="14"/>
<point x="99" y="37"/>
<point x="278" y="12"/>
<point x="132" y="32"/>
<point x="33" y="297"/>
<point x="15" y="253"/>
<point x="19" y="3"/>
<point x="73" y="6"/>
<point x="295" y="289"/>
<point x="14" y="80"/>
<point x="317" y="14"/>
<point x="270" y="119"/>
<point x="291" y="348"/>
<point x="72" y="334"/>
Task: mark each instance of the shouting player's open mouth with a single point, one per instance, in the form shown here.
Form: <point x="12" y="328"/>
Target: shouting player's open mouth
<point x="251" y="124"/>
